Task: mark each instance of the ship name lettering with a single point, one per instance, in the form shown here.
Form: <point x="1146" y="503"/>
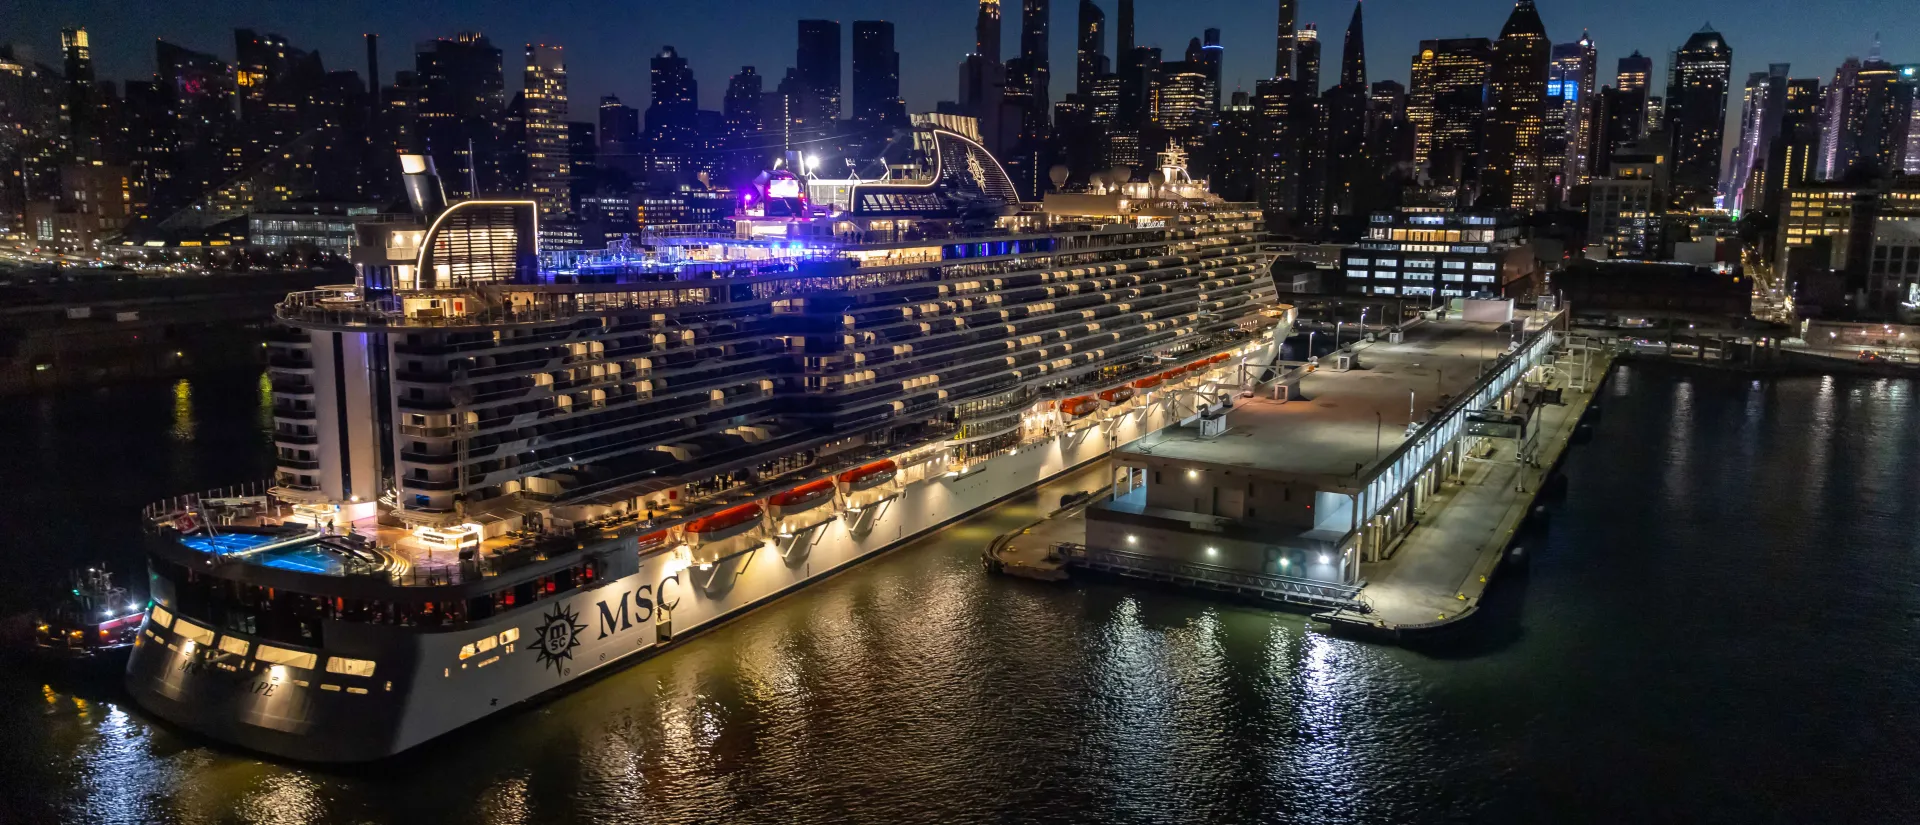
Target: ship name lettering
<point x="612" y="621"/>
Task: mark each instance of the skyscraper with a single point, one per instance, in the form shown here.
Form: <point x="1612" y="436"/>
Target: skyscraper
<point x="1570" y="101"/>
<point x="1032" y="75"/>
<point x="1284" y="41"/>
<point x="1447" y="103"/>
<point x="983" y="78"/>
<point x="619" y="126"/>
<point x="1092" y="48"/>
<point x="1353" y="53"/>
<point x="1876" y="110"/>
<point x="1793" y="159"/>
<point x="673" y="116"/>
<point x="1349" y="167"/>
<point x="1696" y="115"/>
<point x="876" y="75"/>
<point x="76" y="55"/>
<point x="1306" y="66"/>
<point x="1212" y="55"/>
<point x="462" y="98"/>
<point x="817" y="61"/>
<point x="1761" y="106"/>
<point x="549" y="162"/>
<point x="1186" y="93"/>
<point x="1515" y="175"/>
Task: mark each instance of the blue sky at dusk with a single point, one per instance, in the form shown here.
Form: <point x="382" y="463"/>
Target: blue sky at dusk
<point x="608" y="43"/>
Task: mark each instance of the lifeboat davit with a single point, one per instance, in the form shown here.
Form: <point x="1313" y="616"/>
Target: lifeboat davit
<point x="1117" y="394"/>
<point x="654" y="541"/>
<point x="870" y="475"/>
<point x="1080" y="405"/>
<point x="726" y="523"/>
<point x="802" y="498"/>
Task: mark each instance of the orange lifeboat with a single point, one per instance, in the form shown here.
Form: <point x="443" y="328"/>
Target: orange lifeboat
<point x="725" y="523"/>
<point x="1117" y="394"/>
<point x="1172" y="375"/>
<point x="656" y="540"/>
<point x="1080" y="405"/>
<point x="870" y="475"/>
<point x="1219" y="358"/>
<point x="802" y="498"/>
<point x="1147" y="383"/>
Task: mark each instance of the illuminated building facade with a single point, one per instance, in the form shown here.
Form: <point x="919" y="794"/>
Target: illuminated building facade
<point x="549" y="164"/>
<point x="1569" y="129"/>
<point x="1696" y="115"/>
<point x="1447" y="103"/>
<point x="1515" y="173"/>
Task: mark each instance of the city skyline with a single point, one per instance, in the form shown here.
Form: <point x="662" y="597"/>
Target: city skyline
<point x="603" y="59"/>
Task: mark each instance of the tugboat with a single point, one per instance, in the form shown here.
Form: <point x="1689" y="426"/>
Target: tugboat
<point x="96" y="622"/>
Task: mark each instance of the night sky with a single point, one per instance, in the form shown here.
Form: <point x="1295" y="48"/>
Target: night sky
<point x="608" y="43"/>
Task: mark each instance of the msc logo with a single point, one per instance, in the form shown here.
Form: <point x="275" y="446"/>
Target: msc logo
<point x="559" y="634"/>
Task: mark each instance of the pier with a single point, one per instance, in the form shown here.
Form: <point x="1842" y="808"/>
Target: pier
<point x="1380" y="489"/>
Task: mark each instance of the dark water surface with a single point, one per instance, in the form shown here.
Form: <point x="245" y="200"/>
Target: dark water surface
<point x="1722" y="625"/>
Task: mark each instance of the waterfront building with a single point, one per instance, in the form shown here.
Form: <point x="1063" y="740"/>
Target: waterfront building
<point x="1696" y="115"/>
<point x="1515" y="175"/>
<point x="462" y="100"/>
<point x="1437" y="254"/>
<point x="1615" y="291"/>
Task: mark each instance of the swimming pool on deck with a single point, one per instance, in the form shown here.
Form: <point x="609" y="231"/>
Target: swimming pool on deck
<point x="285" y="552"/>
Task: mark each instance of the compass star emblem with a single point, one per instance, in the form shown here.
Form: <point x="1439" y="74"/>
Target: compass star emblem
<point x="559" y="635"/>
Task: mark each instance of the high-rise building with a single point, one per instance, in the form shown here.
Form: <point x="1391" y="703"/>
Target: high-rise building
<point x="1762" y="105"/>
<point x="1833" y="118"/>
<point x="1091" y="48"/>
<point x="1350" y="170"/>
<point x="201" y="92"/>
<point x="1028" y="74"/>
<point x="1635" y="72"/>
<point x="549" y="162"/>
<point x="76" y="55"/>
<point x="1233" y="151"/>
<point x="1185" y="99"/>
<point x="462" y="94"/>
<point x="817" y="60"/>
<point x="1212" y="55"/>
<point x="1285" y="40"/>
<point x="876" y="75"/>
<point x="983" y="78"/>
<point x="673" y="118"/>
<point x="1696" y="115"/>
<point x="1306" y="65"/>
<point x="1793" y="159"/>
<point x="1568" y="145"/>
<point x="619" y="126"/>
<point x="986" y="30"/>
<point x="1515" y="173"/>
<point x="1447" y="103"/>
<point x="1876" y="110"/>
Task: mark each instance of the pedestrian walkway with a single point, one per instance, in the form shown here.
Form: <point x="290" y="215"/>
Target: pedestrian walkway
<point x="1440" y="569"/>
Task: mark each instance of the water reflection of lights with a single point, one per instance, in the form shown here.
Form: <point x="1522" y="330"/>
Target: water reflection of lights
<point x="290" y="798"/>
<point x="506" y="803"/>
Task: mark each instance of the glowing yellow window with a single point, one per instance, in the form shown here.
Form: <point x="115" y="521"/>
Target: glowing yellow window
<point x="283" y="656"/>
<point x="198" y="634"/>
<point x="349" y="667"/>
<point x="237" y="647"/>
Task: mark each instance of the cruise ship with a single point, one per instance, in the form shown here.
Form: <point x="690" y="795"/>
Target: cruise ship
<point x="500" y="471"/>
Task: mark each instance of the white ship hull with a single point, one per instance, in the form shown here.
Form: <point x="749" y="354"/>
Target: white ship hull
<point x="422" y="688"/>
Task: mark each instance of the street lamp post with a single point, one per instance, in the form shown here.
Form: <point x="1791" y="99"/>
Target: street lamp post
<point x="1336" y="335"/>
<point x="1310" y="334"/>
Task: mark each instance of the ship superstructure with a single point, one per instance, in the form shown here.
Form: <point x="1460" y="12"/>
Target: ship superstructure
<point x="497" y="473"/>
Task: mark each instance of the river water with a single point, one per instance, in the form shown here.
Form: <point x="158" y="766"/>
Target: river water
<point x="1721" y="625"/>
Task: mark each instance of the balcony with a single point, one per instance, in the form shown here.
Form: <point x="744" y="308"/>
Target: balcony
<point x="288" y="362"/>
<point x="283" y="437"/>
<point x="283" y="411"/>
<point x="292" y="386"/>
<point x="428" y="484"/>
<point x="427" y="458"/>
<point x="288" y="463"/>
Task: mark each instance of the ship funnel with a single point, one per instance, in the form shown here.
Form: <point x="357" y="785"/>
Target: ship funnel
<point x="424" y="191"/>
